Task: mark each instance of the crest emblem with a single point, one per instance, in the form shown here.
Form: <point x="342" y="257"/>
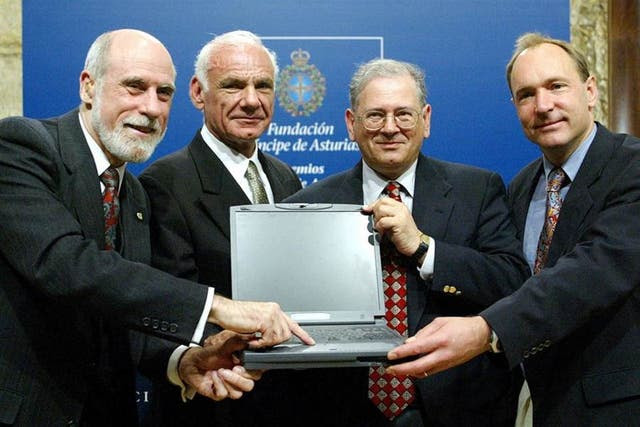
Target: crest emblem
<point x="302" y="87"/>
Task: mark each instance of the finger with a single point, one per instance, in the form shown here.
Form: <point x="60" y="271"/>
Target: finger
<point x="299" y="332"/>
<point x="416" y="368"/>
<point x="368" y="209"/>
<point x="252" y="374"/>
<point x="218" y="389"/>
<point x="236" y="383"/>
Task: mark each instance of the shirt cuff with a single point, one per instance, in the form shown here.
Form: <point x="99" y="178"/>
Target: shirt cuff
<point x="197" y="335"/>
<point x="426" y="269"/>
<point x="186" y="391"/>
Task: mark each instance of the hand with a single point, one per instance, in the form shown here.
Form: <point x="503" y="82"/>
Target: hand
<point x="266" y="320"/>
<point x="213" y="370"/>
<point x="446" y="342"/>
<point x="393" y="219"/>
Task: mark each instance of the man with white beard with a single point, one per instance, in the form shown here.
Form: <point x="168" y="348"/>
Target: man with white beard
<point x="74" y="242"/>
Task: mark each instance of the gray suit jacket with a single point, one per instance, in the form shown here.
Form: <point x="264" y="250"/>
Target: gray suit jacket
<point x="64" y="302"/>
<point x="576" y="324"/>
<point x="464" y="209"/>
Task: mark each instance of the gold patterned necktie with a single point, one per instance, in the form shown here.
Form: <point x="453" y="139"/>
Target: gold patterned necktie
<point x="557" y="179"/>
<point x="110" y="206"/>
<point x="255" y="183"/>
<point x="390" y="393"/>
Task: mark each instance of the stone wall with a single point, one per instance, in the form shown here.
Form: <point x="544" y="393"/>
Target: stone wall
<point x="10" y="58"/>
<point x="589" y="31"/>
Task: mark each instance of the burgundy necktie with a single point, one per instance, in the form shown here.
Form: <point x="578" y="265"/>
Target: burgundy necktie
<point x="110" y="206"/>
<point x="391" y="393"/>
<point x="555" y="182"/>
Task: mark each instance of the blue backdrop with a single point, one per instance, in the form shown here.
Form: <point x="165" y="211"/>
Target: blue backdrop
<point x="463" y="45"/>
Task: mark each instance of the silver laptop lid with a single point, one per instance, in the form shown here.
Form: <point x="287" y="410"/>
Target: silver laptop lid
<point x="320" y="262"/>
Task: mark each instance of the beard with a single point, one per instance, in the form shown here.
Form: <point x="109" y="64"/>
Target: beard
<point x="120" y="143"/>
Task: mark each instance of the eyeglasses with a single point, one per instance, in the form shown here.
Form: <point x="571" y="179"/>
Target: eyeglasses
<point x="376" y="120"/>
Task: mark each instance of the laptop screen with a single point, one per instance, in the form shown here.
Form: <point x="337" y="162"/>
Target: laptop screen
<point x="321" y="263"/>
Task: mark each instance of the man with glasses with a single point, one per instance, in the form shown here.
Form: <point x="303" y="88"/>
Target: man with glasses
<point x="448" y="247"/>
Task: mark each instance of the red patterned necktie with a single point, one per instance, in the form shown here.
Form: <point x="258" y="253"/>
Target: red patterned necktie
<point x="111" y="207"/>
<point x="391" y="393"/>
<point x="554" y="203"/>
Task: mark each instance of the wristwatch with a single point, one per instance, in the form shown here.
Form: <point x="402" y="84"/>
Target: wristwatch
<point x="494" y="343"/>
<point x="423" y="247"/>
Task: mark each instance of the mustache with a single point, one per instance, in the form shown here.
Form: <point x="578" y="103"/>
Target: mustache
<point x="142" y="121"/>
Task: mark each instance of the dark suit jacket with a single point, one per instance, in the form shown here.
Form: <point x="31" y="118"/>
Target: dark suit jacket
<point x="576" y="324"/>
<point x="465" y="211"/>
<point x="64" y="302"/>
<point x="191" y="192"/>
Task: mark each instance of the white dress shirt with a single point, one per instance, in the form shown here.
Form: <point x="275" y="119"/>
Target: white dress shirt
<point x="373" y="186"/>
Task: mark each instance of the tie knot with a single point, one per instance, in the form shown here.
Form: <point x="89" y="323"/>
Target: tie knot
<point x="557" y="179"/>
<point x="110" y="178"/>
<point x="393" y="190"/>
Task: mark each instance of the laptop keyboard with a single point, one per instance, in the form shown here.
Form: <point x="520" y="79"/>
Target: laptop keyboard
<point x="345" y="333"/>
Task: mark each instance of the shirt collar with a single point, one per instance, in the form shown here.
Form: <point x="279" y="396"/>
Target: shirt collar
<point x="228" y="156"/>
<point x="374" y="184"/>
<point x="573" y="163"/>
<point x="99" y="158"/>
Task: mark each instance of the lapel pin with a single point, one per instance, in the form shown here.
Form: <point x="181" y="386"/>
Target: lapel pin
<point x="139" y="215"/>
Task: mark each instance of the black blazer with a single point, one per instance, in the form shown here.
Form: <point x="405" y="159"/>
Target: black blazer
<point x="464" y="209"/>
<point x="191" y="191"/>
<point x="576" y="324"/>
<point x="64" y="302"/>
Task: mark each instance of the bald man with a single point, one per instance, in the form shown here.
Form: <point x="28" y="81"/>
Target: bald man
<point x="74" y="243"/>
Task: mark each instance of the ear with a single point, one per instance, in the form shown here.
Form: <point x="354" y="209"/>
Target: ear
<point x="349" y="119"/>
<point x="592" y="92"/>
<point x="196" y="93"/>
<point x="87" y="87"/>
<point x="426" y="116"/>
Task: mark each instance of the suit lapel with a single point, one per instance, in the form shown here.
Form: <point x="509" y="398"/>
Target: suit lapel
<point x="133" y="213"/>
<point x="82" y="190"/>
<point x="522" y="194"/>
<point x="277" y="185"/>
<point x="219" y="190"/>
<point x="431" y="204"/>
<point x="350" y="189"/>
<point x="578" y="201"/>
<point x="432" y="208"/>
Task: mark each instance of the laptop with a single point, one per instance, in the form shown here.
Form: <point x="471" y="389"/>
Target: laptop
<point x="321" y="263"/>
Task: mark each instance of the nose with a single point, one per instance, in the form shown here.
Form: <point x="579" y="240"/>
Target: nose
<point x="250" y="98"/>
<point x="544" y="101"/>
<point x="152" y="106"/>
<point x="390" y="126"/>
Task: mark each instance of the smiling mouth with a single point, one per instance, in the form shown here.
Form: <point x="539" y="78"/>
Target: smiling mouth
<point x="142" y="129"/>
<point x="547" y="125"/>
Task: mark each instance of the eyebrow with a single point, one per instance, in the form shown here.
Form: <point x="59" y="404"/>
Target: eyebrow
<point x="142" y="82"/>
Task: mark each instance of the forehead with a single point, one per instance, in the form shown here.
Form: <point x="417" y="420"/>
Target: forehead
<point x="389" y="93"/>
<point x="241" y="61"/>
<point x="140" y="58"/>
<point x="541" y="63"/>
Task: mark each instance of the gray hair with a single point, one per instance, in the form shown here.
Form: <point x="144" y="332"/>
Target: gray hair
<point x="386" y="68"/>
<point x="529" y="40"/>
<point x="232" y="38"/>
